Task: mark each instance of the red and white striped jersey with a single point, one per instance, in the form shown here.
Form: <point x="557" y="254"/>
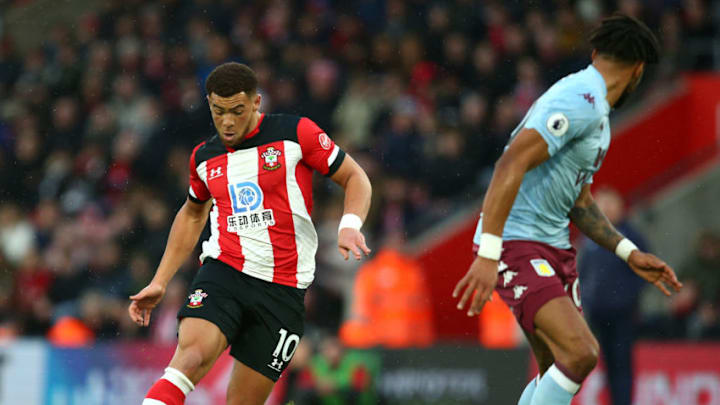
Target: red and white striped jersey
<point x="262" y="197"/>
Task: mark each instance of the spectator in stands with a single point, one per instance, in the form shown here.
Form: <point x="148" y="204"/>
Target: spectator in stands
<point x="696" y="309"/>
<point x="343" y="377"/>
<point x="390" y="305"/>
<point x="610" y="291"/>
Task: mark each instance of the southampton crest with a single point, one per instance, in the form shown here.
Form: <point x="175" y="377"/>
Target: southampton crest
<point x="196" y="299"/>
<point x="271" y="158"/>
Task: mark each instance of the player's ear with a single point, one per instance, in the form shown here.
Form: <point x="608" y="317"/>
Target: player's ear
<point x="594" y="54"/>
<point x="640" y="69"/>
<point x="256" y="102"/>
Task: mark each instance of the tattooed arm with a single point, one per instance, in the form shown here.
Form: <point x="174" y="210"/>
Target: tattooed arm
<point x="592" y="222"/>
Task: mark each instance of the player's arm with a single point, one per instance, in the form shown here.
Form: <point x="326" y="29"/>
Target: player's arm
<point x="591" y="221"/>
<point x="527" y="150"/>
<point x="588" y="218"/>
<point x="358" y="191"/>
<point x="184" y="233"/>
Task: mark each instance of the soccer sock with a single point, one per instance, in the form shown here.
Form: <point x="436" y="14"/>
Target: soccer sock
<point x="529" y="391"/>
<point x="555" y="388"/>
<point x="170" y="389"/>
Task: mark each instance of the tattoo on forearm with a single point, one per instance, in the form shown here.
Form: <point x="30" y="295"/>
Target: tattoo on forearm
<point x="593" y="223"/>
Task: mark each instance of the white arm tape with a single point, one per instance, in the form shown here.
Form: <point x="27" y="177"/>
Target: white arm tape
<point x="624" y="248"/>
<point x="350" y="221"/>
<point x="490" y="246"/>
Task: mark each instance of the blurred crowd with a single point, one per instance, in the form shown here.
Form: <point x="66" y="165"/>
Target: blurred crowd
<point x="695" y="311"/>
<point x="97" y="122"/>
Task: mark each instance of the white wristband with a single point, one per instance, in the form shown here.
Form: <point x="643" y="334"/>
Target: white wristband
<point x="350" y="221"/>
<point x="624" y="248"/>
<point x="490" y="246"/>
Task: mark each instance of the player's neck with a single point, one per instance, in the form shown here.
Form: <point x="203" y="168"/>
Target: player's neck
<point x="616" y="78"/>
<point x="252" y="124"/>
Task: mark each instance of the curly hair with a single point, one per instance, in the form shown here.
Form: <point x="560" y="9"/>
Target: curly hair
<point x="231" y="78"/>
<point x="625" y="39"/>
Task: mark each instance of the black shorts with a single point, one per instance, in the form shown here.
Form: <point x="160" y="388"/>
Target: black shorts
<point x="262" y="321"/>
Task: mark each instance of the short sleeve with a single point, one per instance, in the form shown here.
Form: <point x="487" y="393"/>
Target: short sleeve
<point x="560" y="120"/>
<point x="318" y="150"/>
<point x="198" y="191"/>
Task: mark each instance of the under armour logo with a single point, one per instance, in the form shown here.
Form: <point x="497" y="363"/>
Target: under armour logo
<point x="215" y="172"/>
<point x="276" y="365"/>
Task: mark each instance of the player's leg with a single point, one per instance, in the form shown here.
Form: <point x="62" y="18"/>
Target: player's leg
<point x="200" y="343"/>
<point x="271" y="333"/>
<point x="559" y="324"/>
<point x="543" y="354"/>
<point x="210" y="318"/>
<point x="247" y="386"/>
<point x="544" y="359"/>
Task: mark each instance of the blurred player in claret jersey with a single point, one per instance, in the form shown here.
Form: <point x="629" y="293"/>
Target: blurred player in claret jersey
<point x="253" y="178"/>
<point x="541" y="182"/>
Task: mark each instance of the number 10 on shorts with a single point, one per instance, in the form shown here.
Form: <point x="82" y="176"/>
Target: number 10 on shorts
<point x="286" y="346"/>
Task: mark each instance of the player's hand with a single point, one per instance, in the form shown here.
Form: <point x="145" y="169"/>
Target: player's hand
<point x="352" y="240"/>
<point x="480" y="279"/>
<point x="143" y="303"/>
<point x="654" y="271"/>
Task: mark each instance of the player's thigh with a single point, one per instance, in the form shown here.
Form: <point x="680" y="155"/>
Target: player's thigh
<point x="247" y="386"/>
<point x="541" y="351"/>
<point x="563" y="329"/>
<point x="200" y="343"/>
<point x="271" y="328"/>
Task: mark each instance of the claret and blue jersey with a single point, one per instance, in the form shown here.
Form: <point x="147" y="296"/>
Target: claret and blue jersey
<point x="572" y="118"/>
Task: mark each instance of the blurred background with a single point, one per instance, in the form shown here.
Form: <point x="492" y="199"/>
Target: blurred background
<point x="101" y="103"/>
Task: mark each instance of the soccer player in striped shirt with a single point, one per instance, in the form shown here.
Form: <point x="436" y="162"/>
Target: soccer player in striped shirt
<point x="253" y="179"/>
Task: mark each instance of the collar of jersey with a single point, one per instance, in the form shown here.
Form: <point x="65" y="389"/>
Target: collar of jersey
<point x="601" y="85"/>
<point x="250" y="134"/>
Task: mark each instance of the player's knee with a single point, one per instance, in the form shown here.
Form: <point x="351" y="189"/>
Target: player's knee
<point x="584" y="356"/>
<point x="190" y="359"/>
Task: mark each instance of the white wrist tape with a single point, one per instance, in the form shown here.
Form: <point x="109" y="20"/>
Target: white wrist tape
<point x="490" y="246"/>
<point x="350" y="221"/>
<point x="624" y="248"/>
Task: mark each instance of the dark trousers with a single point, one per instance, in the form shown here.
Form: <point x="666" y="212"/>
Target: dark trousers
<point x="615" y="331"/>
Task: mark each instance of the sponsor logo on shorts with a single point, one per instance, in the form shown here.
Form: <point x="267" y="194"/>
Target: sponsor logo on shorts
<point x="508" y="276"/>
<point x="542" y="267"/>
<point x="519" y="290"/>
<point x="502" y="266"/>
<point x="276" y="365"/>
<point x="196" y="299"/>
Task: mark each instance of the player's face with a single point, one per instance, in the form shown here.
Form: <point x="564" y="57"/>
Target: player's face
<point x="233" y="116"/>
